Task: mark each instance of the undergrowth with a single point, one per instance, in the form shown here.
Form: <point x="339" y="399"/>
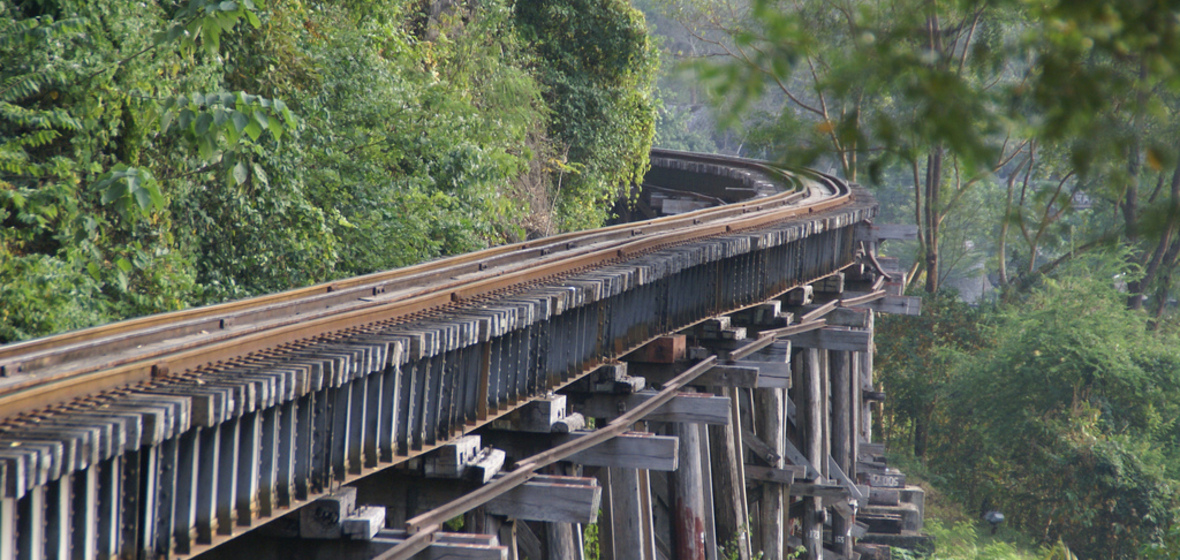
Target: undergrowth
<point x="961" y="535"/>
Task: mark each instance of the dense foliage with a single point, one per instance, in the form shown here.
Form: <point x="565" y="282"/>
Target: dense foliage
<point x="1059" y="409"/>
<point x="171" y="153"/>
<point x="597" y="65"/>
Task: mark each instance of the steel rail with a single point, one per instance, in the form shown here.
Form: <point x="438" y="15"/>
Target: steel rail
<point x="135" y="331"/>
<point x="455" y="279"/>
<point x="43" y="352"/>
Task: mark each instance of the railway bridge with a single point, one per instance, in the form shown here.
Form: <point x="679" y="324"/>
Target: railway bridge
<point x="693" y="382"/>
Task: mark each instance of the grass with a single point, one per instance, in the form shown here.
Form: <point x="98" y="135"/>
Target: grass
<point x="959" y="534"/>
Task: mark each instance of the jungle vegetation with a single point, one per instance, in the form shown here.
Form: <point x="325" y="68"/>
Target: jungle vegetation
<point x="161" y="154"/>
<point x="164" y="154"/>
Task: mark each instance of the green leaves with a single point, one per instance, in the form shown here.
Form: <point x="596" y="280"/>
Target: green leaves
<point x="203" y="22"/>
<point x="216" y="116"/>
<point x="1061" y="413"/>
<point x="130" y="190"/>
<point x="598" y="66"/>
<point x="141" y="172"/>
<point x="218" y="122"/>
<point x="240" y="172"/>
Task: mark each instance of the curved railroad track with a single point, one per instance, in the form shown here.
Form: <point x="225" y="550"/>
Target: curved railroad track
<point x="56" y="368"/>
<point x="297" y="392"/>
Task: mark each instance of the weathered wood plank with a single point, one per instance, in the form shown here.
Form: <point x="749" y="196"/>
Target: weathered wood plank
<point x="833" y="338"/>
<point x="787" y="474"/>
<point x="887" y="232"/>
<point x="761" y="449"/>
<point x="883" y="479"/>
<point x="833" y="283"/>
<point x="823" y="491"/>
<point x="538" y="416"/>
<point x="800" y="296"/>
<point x="771" y="375"/>
<point x="749" y="374"/>
<point x="852" y="317"/>
<point x="797" y="458"/>
<point x="817" y="312"/>
<point x="451" y="460"/>
<point x="527" y="540"/>
<point x="626" y="524"/>
<point x="632" y="450"/>
<point x="458" y="546"/>
<point x="729" y="376"/>
<point x="322" y="519"/>
<point x="897" y="305"/>
<point x="553" y="499"/>
<point x="684" y="407"/>
<point x="864" y="299"/>
<point x="486" y="465"/>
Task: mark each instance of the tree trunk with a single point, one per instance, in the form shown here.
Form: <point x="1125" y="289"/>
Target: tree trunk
<point x="1003" y="245"/>
<point x="933" y="186"/>
<point x="920" y="436"/>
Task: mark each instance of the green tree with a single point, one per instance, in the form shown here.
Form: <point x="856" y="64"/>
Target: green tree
<point x="1079" y="95"/>
<point x="1067" y="421"/>
<point x="160" y="154"/>
<point x="87" y="236"/>
<point x="598" y="67"/>
<point x="915" y="363"/>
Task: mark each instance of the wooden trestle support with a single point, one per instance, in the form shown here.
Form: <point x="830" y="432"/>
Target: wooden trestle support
<point x="708" y="395"/>
<point x="767" y="452"/>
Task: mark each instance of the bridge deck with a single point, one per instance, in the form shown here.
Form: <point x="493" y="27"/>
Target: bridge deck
<point x="205" y="447"/>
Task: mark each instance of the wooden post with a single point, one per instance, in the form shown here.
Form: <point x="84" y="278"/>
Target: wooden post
<point x="825" y="399"/>
<point x="841" y="384"/>
<point x="564" y="540"/>
<point x="626" y="516"/>
<point x="606" y="525"/>
<point x="771" y="414"/>
<point x="646" y="507"/>
<point x="508" y="538"/>
<point x="560" y="541"/>
<point x="813" y="447"/>
<point x="707" y="491"/>
<point x="744" y="408"/>
<point x="478" y="521"/>
<point x="688" y="510"/>
<point x="813" y="529"/>
<point x="866" y="409"/>
<point x="854" y="409"/>
<point x="728" y="479"/>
